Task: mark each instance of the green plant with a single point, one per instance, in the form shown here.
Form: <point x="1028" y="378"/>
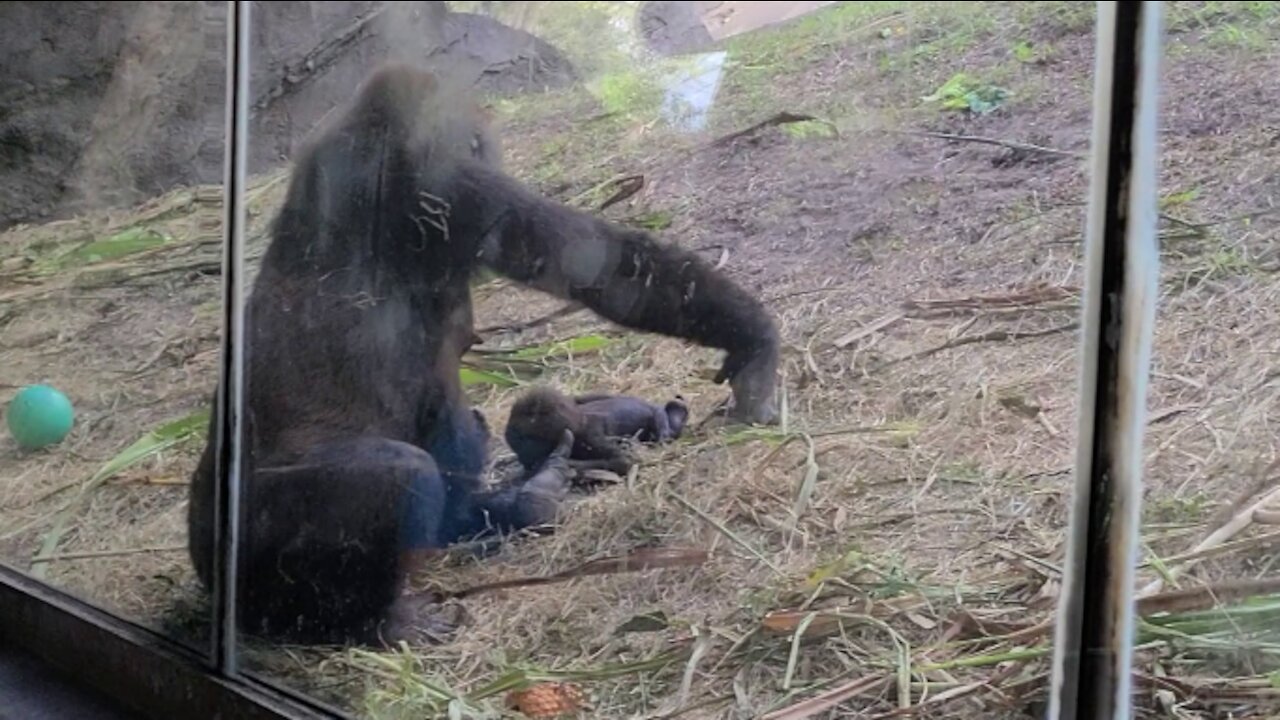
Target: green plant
<point x="963" y="92"/>
<point x="629" y="92"/>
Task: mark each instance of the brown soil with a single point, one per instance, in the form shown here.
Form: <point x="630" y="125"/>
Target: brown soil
<point x="945" y="473"/>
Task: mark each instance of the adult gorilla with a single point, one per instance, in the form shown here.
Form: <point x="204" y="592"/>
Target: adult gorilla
<point x="362" y="447"/>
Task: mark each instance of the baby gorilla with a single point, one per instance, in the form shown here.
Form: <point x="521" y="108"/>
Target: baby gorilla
<point x="597" y="421"/>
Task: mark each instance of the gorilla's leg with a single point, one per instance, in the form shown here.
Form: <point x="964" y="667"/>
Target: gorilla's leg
<point x="535" y="499"/>
<point x="322" y="559"/>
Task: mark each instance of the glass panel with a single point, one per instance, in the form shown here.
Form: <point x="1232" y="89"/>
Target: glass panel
<point x="875" y="208"/>
<point x="1209" y="583"/>
<point x="111" y="163"/>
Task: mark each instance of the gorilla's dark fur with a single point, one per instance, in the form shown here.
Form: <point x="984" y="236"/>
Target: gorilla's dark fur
<point x="361" y="444"/>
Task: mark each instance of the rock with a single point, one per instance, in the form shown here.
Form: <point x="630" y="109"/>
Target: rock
<point x="673" y="28"/>
<point x="109" y="103"/>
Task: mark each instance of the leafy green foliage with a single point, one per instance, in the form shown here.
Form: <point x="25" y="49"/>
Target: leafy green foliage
<point x="149" y="445"/>
<point x="656" y="220"/>
<point x="124" y="243"/>
<point x="471" y="376"/>
<point x="562" y="348"/>
<point x="629" y="92"/>
<point x="155" y="442"/>
<point x="963" y="92"/>
<point x="509" y="368"/>
<point x="1030" y="53"/>
<point x="808" y="129"/>
<point x="1173" y="200"/>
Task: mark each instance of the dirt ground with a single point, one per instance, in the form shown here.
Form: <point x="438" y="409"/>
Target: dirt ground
<point x="926" y="288"/>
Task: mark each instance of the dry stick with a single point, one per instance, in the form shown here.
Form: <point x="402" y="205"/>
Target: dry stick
<point x="830" y="699"/>
<point x="953" y="693"/>
<point x="782" y="118"/>
<point x="576" y="200"/>
<point x="726" y="532"/>
<point x="1031" y="296"/>
<point x="627" y="186"/>
<point x="1222" y="549"/>
<point x="1203" y="598"/>
<point x="1240" y="521"/>
<point x="638" y="560"/>
<point x="993" y="336"/>
<point x="723" y="258"/>
<point x="530" y="324"/>
<point x="996" y="312"/>
<point x="87" y="554"/>
<point x="854" y="336"/>
<point x="1012" y="145"/>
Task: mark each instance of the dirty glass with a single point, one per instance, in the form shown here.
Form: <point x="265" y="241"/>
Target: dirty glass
<point x="868" y="215"/>
<point x="111" y="164"/>
<point x="1209" y="572"/>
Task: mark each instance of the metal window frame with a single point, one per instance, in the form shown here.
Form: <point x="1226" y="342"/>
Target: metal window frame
<point x="230" y="401"/>
<point x="1093" y="647"/>
<point x="1093" y="644"/>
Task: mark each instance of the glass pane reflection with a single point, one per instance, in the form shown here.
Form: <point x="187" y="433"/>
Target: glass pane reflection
<point x="901" y="187"/>
<point x="1208" y="582"/>
<point x="111" y="160"/>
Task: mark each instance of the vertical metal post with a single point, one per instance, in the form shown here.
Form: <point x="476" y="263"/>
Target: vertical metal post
<point x="230" y="394"/>
<point x="1094" y="639"/>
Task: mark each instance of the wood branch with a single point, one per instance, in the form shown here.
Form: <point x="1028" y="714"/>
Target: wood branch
<point x="782" y="118"/>
<point x="627" y="186"/>
<point x="1233" y="527"/>
<point x="876" y="326"/>
<point x="564" y="311"/>
<point x="319" y="59"/>
<point x="993" y="336"/>
<point x="642" y="559"/>
<point x="1010" y="144"/>
<point x="1203" y="598"/>
<point x="1034" y="295"/>
<point x="92" y="554"/>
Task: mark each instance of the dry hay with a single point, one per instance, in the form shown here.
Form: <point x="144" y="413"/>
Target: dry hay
<point x="914" y="499"/>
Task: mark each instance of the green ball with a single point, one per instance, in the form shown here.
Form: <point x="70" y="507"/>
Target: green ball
<point x="40" y="416"/>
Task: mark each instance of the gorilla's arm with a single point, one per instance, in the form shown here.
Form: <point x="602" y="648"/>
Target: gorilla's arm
<point x="624" y="275"/>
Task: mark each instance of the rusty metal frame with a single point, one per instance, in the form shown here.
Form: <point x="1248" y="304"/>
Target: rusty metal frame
<point x="1093" y="648"/>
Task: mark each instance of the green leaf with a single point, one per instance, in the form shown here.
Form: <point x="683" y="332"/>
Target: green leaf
<point x="1179" y="198"/>
<point x="1023" y="52"/>
<point x="836" y="568"/>
<point x="749" y="434"/>
<point x="963" y="92"/>
<point x="523" y="677"/>
<point x="648" y="622"/>
<point x="657" y="220"/>
<point x="154" y="442"/>
<point x="806" y="129"/>
<point x="126" y="242"/>
<point x="158" y="440"/>
<point x="576" y="346"/>
<point x="475" y="376"/>
<point x="957" y="86"/>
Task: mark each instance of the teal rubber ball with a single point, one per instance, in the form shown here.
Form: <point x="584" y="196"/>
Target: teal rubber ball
<point x="39" y="416"/>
